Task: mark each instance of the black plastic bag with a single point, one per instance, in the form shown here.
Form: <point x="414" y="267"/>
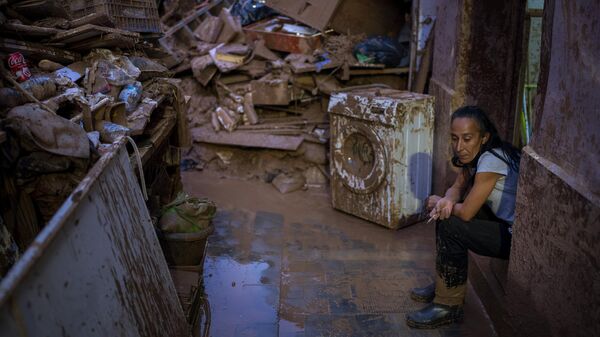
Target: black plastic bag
<point x="251" y="11"/>
<point x="382" y="49"/>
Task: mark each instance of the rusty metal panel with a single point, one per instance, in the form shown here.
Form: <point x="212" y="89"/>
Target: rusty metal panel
<point x="381" y="147"/>
<point x="96" y="269"/>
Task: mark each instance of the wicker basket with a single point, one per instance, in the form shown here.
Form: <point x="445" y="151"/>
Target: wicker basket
<point x="133" y="15"/>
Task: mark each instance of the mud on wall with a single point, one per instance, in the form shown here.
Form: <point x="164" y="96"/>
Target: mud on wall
<point x="475" y="56"/>
<point x="553" y="286"/>
<point x="494" y="50"/>
<point x="567" y="128"/>
<point x="447" y="83"/>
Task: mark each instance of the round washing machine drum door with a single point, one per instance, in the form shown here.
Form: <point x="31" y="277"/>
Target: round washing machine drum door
<point x="359" y="158"/>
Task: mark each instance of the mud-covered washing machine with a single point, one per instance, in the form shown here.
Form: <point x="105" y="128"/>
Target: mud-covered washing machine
<point x="381" y="151"/>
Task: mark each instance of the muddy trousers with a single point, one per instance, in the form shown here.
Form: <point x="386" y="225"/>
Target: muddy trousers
<point x="484" y="235"/>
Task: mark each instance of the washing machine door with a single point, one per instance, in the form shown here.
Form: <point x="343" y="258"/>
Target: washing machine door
<point x="359" y="158"/>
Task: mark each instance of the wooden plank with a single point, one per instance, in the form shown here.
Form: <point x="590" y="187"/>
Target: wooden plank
<point x="33" y="31"/>
<point x="105" y="41"/>
<point x="89" y="31"/>
<point x="367" y="65"/>
<point x="426" y="60"/>
<point x="99" y="19"/>
<point x="245" y="139"/>
<point x="386" y="71"/>
<point x="39" y="51"/>
<point x="283" y="125"/>
<point x="300" y="68"/>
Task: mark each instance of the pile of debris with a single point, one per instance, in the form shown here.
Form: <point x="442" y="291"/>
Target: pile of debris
<point x="263" y="80"/>
<point x="82" y="76"/>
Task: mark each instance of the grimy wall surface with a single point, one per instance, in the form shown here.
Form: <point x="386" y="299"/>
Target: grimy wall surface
<point x="447" y="82"/>
<point x="553" y="286"/>
<point x="474" y="61"/>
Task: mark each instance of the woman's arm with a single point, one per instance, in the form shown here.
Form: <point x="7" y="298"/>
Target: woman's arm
<point x="443" y="206"/>
<point x="482" y="188"/>
<point x="454" y="193"/>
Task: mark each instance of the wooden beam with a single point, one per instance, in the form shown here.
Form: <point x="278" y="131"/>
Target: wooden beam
<point x="386" y="71"/>
<point x="246" y="139"/>
<point x="38" y="50"/>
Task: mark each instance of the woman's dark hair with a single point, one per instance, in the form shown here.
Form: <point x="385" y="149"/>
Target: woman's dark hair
<point x="513" y="155"/>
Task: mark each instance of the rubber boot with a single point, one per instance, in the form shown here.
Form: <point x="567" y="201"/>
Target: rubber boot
<point x="447" y="307"/>
<point x="423" y="295"/>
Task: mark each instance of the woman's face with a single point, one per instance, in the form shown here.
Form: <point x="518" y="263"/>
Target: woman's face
<point x="466" y="139"/>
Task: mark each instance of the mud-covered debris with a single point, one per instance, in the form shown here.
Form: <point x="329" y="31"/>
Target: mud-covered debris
<point x="210" y="29"/>
<point x="39" y="129"/>
<point x="286" y="183"/>
<point x="314" y="177"/>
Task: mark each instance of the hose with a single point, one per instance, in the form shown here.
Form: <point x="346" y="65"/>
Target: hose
<point x="139" y="165"/>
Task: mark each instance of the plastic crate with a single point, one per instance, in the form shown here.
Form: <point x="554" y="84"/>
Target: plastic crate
<point x="133" y="15"/>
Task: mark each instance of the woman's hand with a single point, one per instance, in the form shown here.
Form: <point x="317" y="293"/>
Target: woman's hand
<point x="431" y="201"/>
<point x="442" y="209"/>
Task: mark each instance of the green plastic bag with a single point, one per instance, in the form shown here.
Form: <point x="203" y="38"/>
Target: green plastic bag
<point x="187" y="214"/>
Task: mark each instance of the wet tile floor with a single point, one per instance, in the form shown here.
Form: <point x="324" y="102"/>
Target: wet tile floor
<point x="291" y="265"/>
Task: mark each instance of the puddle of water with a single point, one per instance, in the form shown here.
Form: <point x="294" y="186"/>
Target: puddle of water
<point x="240" y="294"/>
<point x="290" y="329"/>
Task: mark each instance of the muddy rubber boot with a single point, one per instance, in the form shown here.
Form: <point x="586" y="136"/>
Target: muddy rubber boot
<point x="447" y="307"/>
<point x="423" y="295"/>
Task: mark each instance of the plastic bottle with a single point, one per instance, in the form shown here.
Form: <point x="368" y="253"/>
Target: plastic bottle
<point x="131" y="94"/>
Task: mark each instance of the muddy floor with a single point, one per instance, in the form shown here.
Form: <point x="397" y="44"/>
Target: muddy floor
<point x="290" y="265"/>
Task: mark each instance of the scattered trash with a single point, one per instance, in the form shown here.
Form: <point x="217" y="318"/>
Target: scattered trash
<point x="286" y="183"/>
<point x="39" y="129"/>
<point x="131" y="95"/>
<point x="40" y="87"/>
<point x="225" y="156"/>
<point x="72" y="85"/>
<point x="18" y="66"/>
<point x="47" y="65"/>
<point x="111" y="132"/>
<point x="187" y="214"/>
<point x="315" y="177"/>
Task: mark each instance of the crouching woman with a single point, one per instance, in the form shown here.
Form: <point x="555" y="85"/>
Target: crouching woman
<point x="475" y="214"/>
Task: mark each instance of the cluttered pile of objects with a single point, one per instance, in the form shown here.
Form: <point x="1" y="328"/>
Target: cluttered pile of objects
<point x="253" y="74"/>
<point x="78" y="77"/>
<point x="260" y="76"/>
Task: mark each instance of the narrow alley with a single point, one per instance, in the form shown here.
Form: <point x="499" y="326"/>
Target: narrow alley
<point x="299" y="168"/>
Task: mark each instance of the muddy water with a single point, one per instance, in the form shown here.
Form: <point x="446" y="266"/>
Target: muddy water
<point x="290" y="265"/>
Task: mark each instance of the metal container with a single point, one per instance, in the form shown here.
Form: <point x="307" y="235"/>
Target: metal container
<point x="96" y="268"/>
<point x="285" y="35"/>
<point x="381" y="148"/>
